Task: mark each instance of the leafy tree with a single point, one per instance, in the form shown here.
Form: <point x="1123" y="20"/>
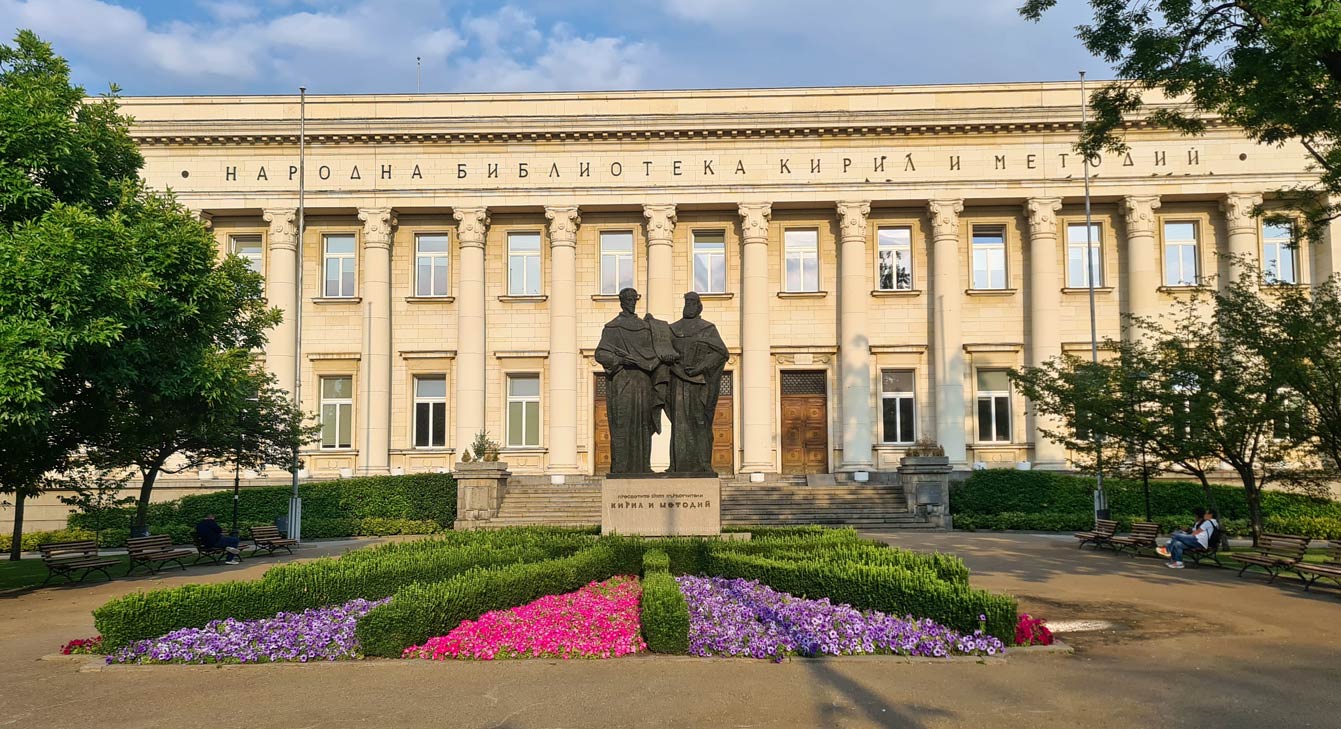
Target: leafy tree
<point x="1271" y="67"/>
<point x="96" y="494"/>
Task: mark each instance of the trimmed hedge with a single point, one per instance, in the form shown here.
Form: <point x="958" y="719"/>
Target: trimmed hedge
<point x="1046" y="501"/>
<point x="371" y="573"/>
<point x="32" y="540"/>
<point x="665" y="614"/>
<point x="422" y="503"/>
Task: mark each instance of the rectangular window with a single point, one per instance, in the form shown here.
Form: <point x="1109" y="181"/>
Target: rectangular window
<point x="523" y="410"/>
<point x="616" y="261"/>
<point x="523" y="264"/>
<point x="431" y="257"/>
<point x="993" y="406"/>
<point x="989" y="257"/>
<point x="337" y="412"/>
<point x="1083" y="255"/>
<point x="709" y="262"/>
<point x="801" y="260"/>
<point x="248" y="247"/>
<point x="894" y="247"/>
<point x="1278" y="254"/>
<point x="430" y="411"/>
<point x="1180" y="254"/>
<point x="339" y="258"/>
<point x="898" y="406"/>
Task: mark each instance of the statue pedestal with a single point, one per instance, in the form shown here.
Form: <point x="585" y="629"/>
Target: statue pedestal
<point x="480" y="486"/>
<point x="662" y="506"/>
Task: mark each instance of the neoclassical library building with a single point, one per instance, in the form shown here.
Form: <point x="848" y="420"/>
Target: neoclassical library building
<point x="874" y="258"/>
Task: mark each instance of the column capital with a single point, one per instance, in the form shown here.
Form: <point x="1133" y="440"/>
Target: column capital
<point x="1042" y="213"/>
<point x="754" y="220"/>
<point x="471" y="226"/>
<point x="563" y="222"/>
<point x="283" y="227"/>
<point x="1238" y="209"/>
<point x="945" y="217"/>
<point x="660" y="223"/>
<point x="1140" y="210"/>
<point x="852" y="218"/>
<point x="206" y="219"/>
<point x="377" y="225"/>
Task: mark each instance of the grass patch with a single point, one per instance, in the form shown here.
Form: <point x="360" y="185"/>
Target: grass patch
<point x="29" y="573"/>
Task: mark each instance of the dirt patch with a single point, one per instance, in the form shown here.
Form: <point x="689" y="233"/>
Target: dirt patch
<point x="1132" y="622"/>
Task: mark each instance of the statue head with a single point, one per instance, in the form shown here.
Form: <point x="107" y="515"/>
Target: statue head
<point x="693" y="306"/>
<point x="628" y="300"/>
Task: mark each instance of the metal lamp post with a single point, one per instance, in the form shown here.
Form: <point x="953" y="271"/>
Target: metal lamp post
<point x="1100" y="498"/>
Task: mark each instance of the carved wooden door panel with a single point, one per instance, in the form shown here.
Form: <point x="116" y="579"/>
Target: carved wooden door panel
<point x="601" y="440"/>
<point x="723" y="430"/>
<point x="805" y="423"/>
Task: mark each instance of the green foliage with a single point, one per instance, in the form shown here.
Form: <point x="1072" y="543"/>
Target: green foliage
<point x="32" y="540"/>
<point x="665" y="614"/>
<point x="371" y="573"/>
<point x="484" y="447"/>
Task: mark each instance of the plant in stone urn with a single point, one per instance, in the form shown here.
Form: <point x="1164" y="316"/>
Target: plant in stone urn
<point x="485" y="448"/>
<point x="925" y="446"/>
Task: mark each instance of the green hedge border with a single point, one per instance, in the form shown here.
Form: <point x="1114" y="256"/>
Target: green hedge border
<point x="665" y="614"/>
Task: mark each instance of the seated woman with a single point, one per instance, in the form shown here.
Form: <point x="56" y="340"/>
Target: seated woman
<point x="1199" y="538"/>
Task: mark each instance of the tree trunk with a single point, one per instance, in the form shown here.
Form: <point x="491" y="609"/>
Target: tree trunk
<point x="1254" y="498"/>
<point x="146" y="488"/>
<point x="16" y="549"/>
<point x="1208" y="493"/>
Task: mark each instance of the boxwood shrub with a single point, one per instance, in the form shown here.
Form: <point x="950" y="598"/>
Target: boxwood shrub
<point x="665" y="614"/>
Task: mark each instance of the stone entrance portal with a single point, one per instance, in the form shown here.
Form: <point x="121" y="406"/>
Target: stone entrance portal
<point x="805" y="423"/>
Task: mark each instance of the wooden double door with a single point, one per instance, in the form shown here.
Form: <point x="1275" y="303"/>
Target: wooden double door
<point x="723" y="430"/>
<point x="805" y="422"/>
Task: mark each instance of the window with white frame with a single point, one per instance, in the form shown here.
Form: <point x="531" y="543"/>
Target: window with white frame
<point x="248" y="248"/>
<point x="894" y="252"/>
<point x="430" y="411"/>
<point x="709" y="261"/>
<point x="1290" y="423"/>
<point x="898" y="406"/>
<point x="1084" y="254"/>
<point x="523" y="264"/>
<point x="1279" y="262"/>
<point x="338" y="260"/>
<point x="989" y="257"/>
<point x="616" y="261"/>
<point x="432" y="254"/>
<point x="801" y="260"/>
<point x="337" y="412"/>
<point x="1180" y="253"/>
<point x="1184" y="388"/>
<point x="993" y="406"/>
<point x="523" y="410"/>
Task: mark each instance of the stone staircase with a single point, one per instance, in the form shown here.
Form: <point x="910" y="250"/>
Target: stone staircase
<point x="778" y="501"/>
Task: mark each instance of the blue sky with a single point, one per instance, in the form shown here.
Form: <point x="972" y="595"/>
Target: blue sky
<point x="362" y="46"/>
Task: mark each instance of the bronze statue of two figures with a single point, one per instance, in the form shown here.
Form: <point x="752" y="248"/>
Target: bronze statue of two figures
<point x="651" y="367"/>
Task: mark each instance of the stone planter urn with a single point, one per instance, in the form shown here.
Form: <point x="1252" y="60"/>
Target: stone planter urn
<point x="480" y="486"/>
<point x="926" y="486"/>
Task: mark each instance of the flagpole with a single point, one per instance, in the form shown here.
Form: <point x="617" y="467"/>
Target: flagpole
<point x="1100" y="498"/>
<point x="295" y="501"/>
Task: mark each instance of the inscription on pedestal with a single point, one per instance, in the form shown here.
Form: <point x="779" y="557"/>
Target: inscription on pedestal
<point x="661" y="507"/>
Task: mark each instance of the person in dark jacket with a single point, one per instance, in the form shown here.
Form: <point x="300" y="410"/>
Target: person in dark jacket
<point x="211" y="535"/>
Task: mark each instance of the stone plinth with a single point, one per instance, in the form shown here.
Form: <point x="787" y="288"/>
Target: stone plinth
<point x="480" y="487"/>
<point x="661" y="507"/>
<point x="926" y="484"/>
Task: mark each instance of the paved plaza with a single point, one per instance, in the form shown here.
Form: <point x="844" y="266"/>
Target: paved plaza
<point x="1195" y="648"/>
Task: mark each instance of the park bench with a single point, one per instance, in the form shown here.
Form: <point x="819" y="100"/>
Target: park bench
<point x="1142" y="536"/>
<point x="268" y="538"/>
<point x="63" y="559"/>
<point x="1274" y="553"/>
<point x="1103" y="532"/>
<point x="1311" y="572"/>
<point x="154" y="552"/>
<point x="217" y="553"/>
<point x="1211" y="551"/>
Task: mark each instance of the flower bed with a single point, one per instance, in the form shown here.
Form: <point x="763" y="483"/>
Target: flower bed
<point x="746" y="618"/>
<point x="600" y="620"/>
<point x="317" y="634"/>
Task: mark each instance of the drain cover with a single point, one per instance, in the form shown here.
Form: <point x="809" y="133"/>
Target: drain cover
<point x="1079" y="626"/>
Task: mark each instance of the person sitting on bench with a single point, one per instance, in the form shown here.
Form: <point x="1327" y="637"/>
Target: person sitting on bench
<point x="211" y="535"/>
<point x="1198" y="538"/>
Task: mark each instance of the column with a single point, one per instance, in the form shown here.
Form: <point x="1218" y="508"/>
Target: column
<point x="1242" y="226"/>
<point x="281" y="284"/>
<point x="854" y="291"/>
<point x="471" y="226"/>
<point x="1143" y="259"/>
<point x="1327" y="251"/>
<point x="1045" y="304"/>
<point x="661" y="298"/>
<point x="948" y="346"/>
<point x="561" y="410"/>
<point x="377" y="225"/>
<point x="755" y="371"/>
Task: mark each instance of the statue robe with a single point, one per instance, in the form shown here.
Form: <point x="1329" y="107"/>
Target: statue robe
<point x="635" y="393"/>
<point x="693" y="398"/>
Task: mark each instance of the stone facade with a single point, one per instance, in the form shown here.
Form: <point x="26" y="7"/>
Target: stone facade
<point x="940" y="165"/>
